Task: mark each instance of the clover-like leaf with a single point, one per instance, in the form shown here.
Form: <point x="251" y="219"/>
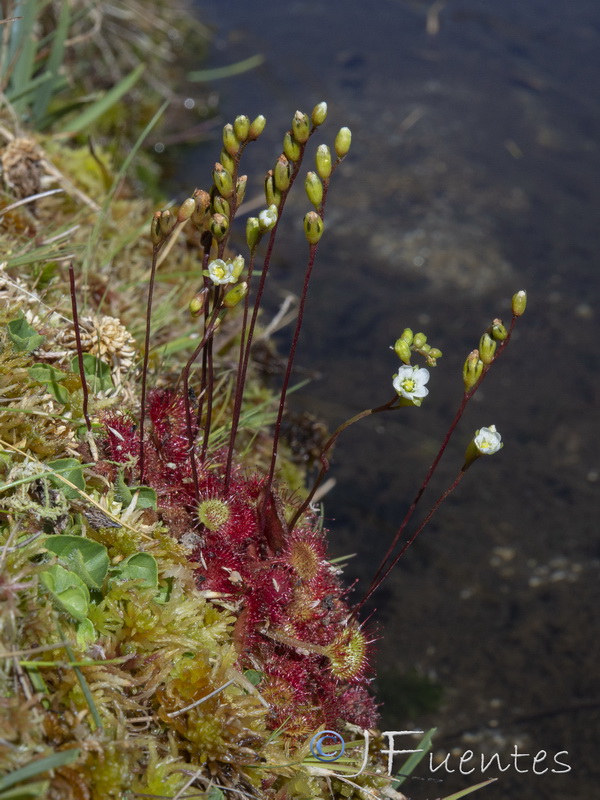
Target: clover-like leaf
<point x="68" y="591"/>
<point x="24" y="338"/>
<point x="146" y="497"/>
<point x="96" y="372"/>
<point x="51" y="377"/>
<point x="139" y="566"/>
<point x="84" y="557"/>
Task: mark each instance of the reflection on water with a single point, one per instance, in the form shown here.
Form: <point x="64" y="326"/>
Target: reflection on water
<point x="474" y="172"/>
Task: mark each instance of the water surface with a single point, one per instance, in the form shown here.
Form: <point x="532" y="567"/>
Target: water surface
<point x="475" y="171"/>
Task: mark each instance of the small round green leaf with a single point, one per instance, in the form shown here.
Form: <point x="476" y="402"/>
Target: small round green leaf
<point x="68" y="591"/>
<point x="139" y="566"/>
<point x="84" y="557"/>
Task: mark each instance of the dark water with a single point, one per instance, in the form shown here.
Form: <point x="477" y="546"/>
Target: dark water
<point x="475" y="171"/>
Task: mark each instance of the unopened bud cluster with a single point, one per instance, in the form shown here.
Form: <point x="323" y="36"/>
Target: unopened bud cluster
<point x="484" y="356"/>
<point x="410" y="343"/>
<point x="213" y="212"/>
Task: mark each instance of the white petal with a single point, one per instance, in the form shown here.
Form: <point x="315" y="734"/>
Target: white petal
<point x="421" y="375"/>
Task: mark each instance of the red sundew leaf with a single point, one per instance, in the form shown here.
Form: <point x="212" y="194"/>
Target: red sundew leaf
<point x="274" y="527"/>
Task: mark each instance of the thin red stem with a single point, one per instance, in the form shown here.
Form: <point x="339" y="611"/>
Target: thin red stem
<point x="155" y="252"/>
<point x="288" y="371"/>
<point x="184" y="378"/>
<point x="209" y="380"/>
<point x="409" y="542"/>
<point x="239" y="388"/>
<point x="377" y="579"/>
<point x="328" y="445"/>
<point x="247" y="346"/>
<point x="84" y="387"/>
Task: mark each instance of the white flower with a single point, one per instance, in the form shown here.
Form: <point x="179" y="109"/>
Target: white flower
<point x="221" y="272"/>
<point x="267" y="218"/>
<point x="410" y="383"/>
<point x="488" y="441"/>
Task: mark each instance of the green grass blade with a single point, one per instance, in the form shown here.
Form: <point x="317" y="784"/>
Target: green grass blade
<point x="28" y="792"/>
<point x="93" y="239"/>
<point x="32" y="86"/>
<point x="23" y="47"/>
<point x="413" y="760"/>
<point x="218" y="73"/>
<point x="48" y="89"/>
<point x="38" y="767"/>
<point x="48" y="253"/>
<point x="465" y="792"/>
<point x="106" y="102"/>
<point x="85" y="687"/>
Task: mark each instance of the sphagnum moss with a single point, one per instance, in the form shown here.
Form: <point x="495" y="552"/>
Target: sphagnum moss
<point x="171" y="614"/>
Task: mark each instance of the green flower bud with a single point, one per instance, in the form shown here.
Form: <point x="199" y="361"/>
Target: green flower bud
<point x="313" y="227"/>
<point x="323" y="159"/>
<point x="219" y="225"/>
<point x="253" y="232"/>
<point x="221" y="206"/>
<point x="431" y="354"/>
<point x="282" y="174"/>
<point x="300" y="127"/>
<point x="402" y="350"/>
<point x="155" y="234"/>
<point x="230" y="141"/>
<point x="227" y="161"/>
<point x="314" y="189"/>
<point x="267" y="218"/>
<point x="235" y="295"/>
<point x="238" y="265"/>
<point x="419" y="340"/>
<point x="186" y="209"/>
<point x="241" y="127"/>
<point x="319" y="114"/>
<point x="487" y="348"/>
<point x="519" y="303"/>
<point x="272" y="194"/>
<point x="499" y="332"/>
<point x="198" y="302"/>
<point x="257" y="126"/>
<point x="291" y="148"/>
<point x="167" y="222"/>
<point x="240" y="189"/>
<point x="223" y="180"/>
<point x="202" y="200"/>
<point x="342" y="142"/>
<point x="472" y="370"/>
<point x="407" y="336"/>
